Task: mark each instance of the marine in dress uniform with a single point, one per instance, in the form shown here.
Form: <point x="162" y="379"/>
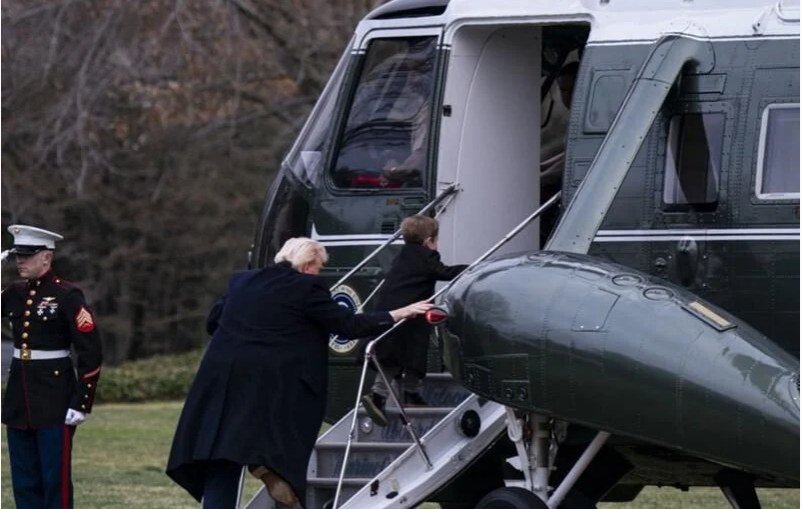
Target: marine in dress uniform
<point x="45" y="399"/>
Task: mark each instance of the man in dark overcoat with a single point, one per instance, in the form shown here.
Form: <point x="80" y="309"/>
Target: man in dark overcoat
<point x="259" y="397"/>
<point x="44" y="400"/>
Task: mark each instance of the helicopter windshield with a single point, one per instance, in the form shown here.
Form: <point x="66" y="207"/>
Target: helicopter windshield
<point x="307" y="156"/>
<point x="385" y="140"/>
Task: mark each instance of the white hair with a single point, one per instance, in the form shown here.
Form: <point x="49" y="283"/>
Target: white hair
<point x="301" y="250"/>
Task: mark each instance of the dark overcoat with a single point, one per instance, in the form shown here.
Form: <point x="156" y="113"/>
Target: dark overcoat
<point x="411" y="278"/>
<point x="50" y="313"/>
<point x="259" y="396"/>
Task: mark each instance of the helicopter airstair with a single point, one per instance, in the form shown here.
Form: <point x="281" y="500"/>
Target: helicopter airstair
<point x="359" y="465"/>
<point x="385" y="469"/>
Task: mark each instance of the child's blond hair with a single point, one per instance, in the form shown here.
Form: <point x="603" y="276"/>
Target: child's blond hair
<point x="418" y="228"/>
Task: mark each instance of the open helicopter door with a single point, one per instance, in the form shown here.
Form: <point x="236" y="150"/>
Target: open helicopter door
<point x="490" y="138"/>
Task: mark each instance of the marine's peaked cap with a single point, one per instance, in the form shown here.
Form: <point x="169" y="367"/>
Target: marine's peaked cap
<point x="29" y="240"/>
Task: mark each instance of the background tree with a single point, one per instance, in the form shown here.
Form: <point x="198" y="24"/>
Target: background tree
<point x="148" y="133"/>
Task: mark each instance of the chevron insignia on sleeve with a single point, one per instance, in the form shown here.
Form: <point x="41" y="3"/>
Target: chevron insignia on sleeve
<point x="84" y="321"/>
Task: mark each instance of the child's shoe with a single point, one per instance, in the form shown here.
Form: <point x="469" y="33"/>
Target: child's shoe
<point x="374" y="407"/>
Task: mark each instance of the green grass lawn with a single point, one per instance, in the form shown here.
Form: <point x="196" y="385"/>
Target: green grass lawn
<point x="121" y="451"/>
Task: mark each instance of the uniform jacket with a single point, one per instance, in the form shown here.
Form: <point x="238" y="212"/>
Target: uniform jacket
<point x="50" y="314"/>
<point x="259" y="395"/>
<point x="411" y="278"/>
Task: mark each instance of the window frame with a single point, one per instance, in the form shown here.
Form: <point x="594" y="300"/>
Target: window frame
<point x="351" y="87"/>
<point x="761" y="152"/>
<point x="670" y="134"/>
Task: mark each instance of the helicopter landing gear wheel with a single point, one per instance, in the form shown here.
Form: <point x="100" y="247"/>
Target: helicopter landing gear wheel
<point x="511" y="498"/>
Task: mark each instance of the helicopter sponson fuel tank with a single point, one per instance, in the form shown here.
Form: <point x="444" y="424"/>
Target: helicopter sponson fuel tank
<point x="604" y="346"/>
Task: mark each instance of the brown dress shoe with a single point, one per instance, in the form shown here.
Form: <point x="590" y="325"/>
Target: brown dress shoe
<point x="278" y="488"/>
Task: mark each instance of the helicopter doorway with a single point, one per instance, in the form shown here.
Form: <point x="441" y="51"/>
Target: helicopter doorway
<point x="489" y="141"/>
<point x="503" y="132"/>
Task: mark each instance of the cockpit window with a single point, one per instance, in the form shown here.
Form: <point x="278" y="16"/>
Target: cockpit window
<point x="308" y="155"/>
<point x="693" y="160"/>
<point x="385" y="140"/>
<point x="778" y="153"/>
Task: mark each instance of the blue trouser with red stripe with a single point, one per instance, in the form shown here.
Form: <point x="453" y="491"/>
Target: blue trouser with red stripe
<point x="41" y="470"/>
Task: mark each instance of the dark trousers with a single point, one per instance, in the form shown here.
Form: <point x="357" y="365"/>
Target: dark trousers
<point x="409" y="380"/>
<point x="41" y="470"/>
<point x="221" y="486"/>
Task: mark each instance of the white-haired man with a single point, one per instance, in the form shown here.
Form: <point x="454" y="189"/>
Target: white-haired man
<point x="259" y="396"/>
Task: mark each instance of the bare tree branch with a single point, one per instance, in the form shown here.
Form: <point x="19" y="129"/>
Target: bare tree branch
<point x="147" y="133"/>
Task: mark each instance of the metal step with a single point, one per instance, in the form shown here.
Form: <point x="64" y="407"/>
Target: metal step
<point x="440" y="391"/>
<point x="321" y="492"/>
<point x="331" y="482"/>
<point x="423" y="419"/>
<point x="365" y="459"/>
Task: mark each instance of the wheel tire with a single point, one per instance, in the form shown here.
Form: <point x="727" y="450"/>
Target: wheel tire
<point x="511" y="498"/>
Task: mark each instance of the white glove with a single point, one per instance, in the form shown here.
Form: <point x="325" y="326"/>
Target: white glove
<point x="74" y="417"/>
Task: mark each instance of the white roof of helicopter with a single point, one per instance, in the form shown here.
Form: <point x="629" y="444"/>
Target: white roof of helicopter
<point x="631" y="20"/>
<point x="621" y="21"/>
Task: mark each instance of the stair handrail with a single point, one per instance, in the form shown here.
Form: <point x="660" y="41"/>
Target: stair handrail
<point x="447" y="191"/>
<point x="371" y="346"/>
